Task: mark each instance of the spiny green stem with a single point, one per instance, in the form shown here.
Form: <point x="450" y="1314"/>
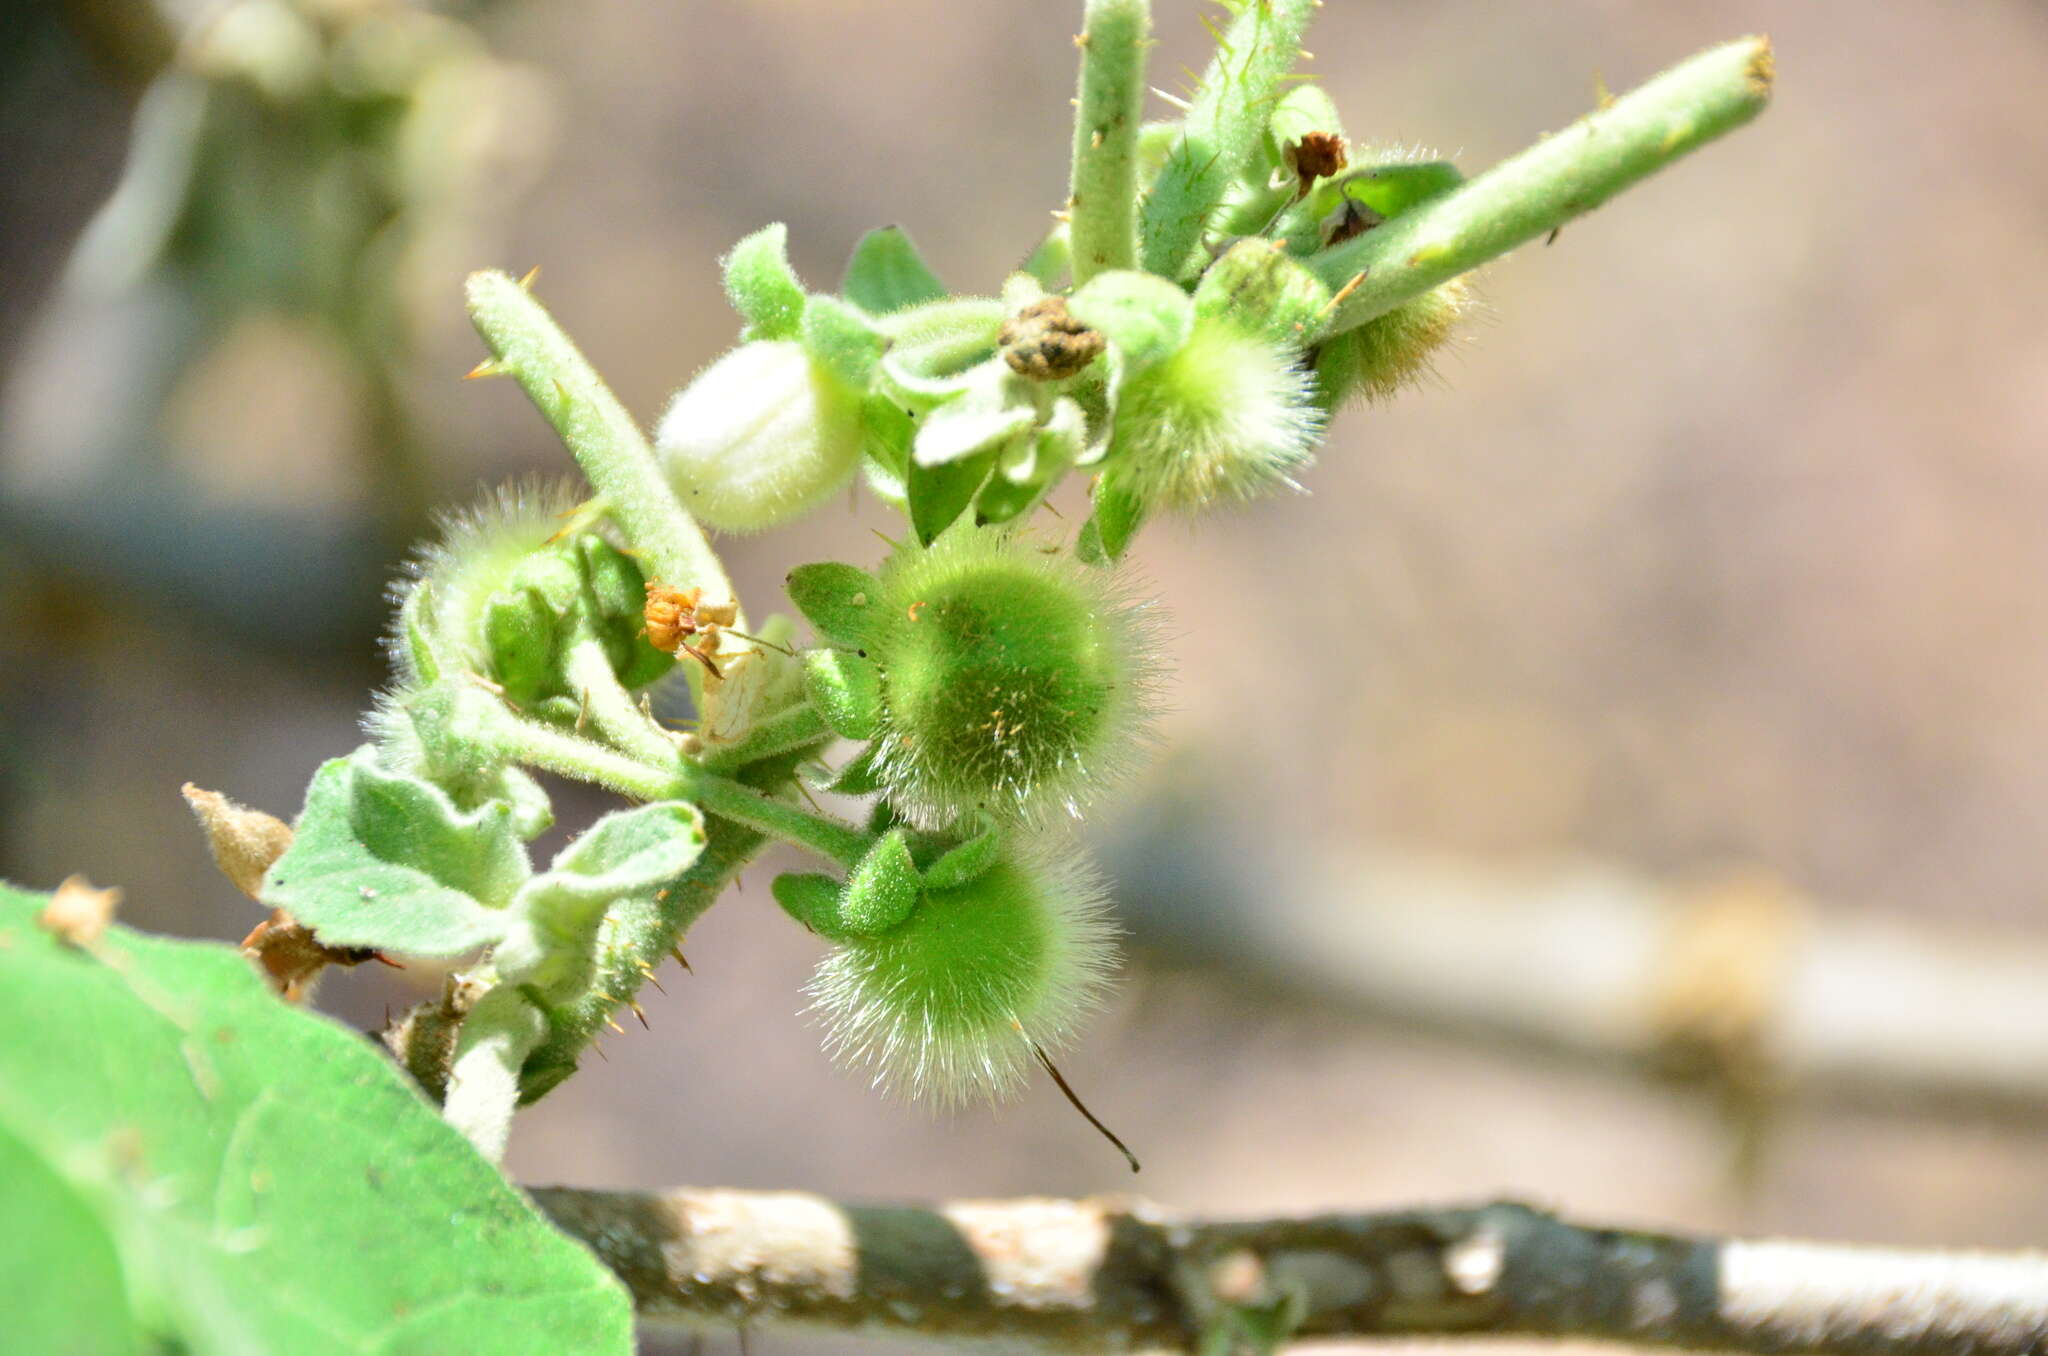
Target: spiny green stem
<point x="780" y="733"/>
<point x="610" y="708"/>
<point x="527" y="344"/>
<point x="1103" y="192"/>
<point x="1558" y="178"/>
<point x="1220" y="136"/>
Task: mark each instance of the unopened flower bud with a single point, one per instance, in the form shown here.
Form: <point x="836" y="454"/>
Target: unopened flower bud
<point x="761" y="436"/>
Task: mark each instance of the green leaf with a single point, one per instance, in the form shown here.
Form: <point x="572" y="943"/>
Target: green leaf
<point x="846" y="690"/>
<point x="1146" y="318"/>
<point x="836" y="599"/>
<point x="883" y="888"/>
<point x="763" y="287"/>
<point x="858" y="776"/>
<point x="211" y="1170"/>
<point x="933" y="344"/>
<point x="939" y="494"/>
<point x="628" y="853"/>
<point x="384" y="860"/>
<point x="886" y="273"/>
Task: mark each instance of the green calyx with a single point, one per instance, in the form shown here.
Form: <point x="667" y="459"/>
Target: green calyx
<point x="503" y="596"/>
<point x="1012" y="678"/>
<point x="946" y="1006"/>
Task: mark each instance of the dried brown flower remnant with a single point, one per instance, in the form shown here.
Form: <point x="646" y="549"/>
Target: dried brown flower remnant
<point x="675" y="616"/>
<point x="1043" y="342"/>
<point x="77" y="913"/>
<point x="291" y="958"/>
<point x="1318" y="155"/>
<point x="244" y="841"/>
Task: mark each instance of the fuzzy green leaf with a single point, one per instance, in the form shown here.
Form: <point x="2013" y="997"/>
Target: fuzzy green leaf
<point x="211" y="1170"/>
<point x="858" y="776"/>
<point x="811" y="899"/>
<point x="763" y="287"/>
<point x="384" y="860"/>
<point x="1118" y="515"/>
<point x="992" y="407"/>
<point x="836" y="599"/>
<point x="886" y="273"/>
<point x="628" y="853"/>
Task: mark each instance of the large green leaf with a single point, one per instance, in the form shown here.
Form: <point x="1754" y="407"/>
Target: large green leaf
<point x="190" y="1164"/>
<point x="385" y="860"/>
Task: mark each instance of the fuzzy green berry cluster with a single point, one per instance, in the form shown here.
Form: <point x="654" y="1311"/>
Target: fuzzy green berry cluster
<point x="1218" y="285"/>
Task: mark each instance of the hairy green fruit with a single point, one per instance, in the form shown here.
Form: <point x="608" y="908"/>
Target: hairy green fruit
<point x="1229" y="416"/>
<point x="1013" y="677"/>
<point x="946" y="1007"/>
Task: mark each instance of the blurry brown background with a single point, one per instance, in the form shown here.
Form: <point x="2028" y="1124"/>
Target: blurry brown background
<point x="1720" y="540"/>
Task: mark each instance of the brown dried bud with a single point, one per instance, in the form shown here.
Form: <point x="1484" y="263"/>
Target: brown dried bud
<point x="1043" y="342"/>
<point x="77" y="913"/>
<point x="244" y="841"/>
<point x="1318" y="155"/>
<point x="291" y="958"/>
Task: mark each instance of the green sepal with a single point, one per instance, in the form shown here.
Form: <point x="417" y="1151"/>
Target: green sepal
<point x="886" y="432"/>
<point x="553" y="942"/>
<point x="1145" y="317"/>
<point x="615" y="604"/>
<point x="883" y="887"/>
<point x="387" y="861"/>
<point x="1305" y="108"/>
<point x="418" y="658"/>
<point x="993" y="406"/>
<point x="886" y="273"/>
<point x="1391" y="190"/>
<point x="1264" y="291"/>
<point x="932" y="345"/>
<point x="763" y="287"/>
<point x="846" y="690"/>
<point x="811" y="899"/>
<point x="836" y="599"/>
<point x="842" y="341"/>
<point x="1052" y="263"/>
<point x="1029" y="468"/>
<point x="936" y="495"/>
<point x="857" y="776"/>
<point x="1117" y="517"/>
<point x="965" y="861"/>
<point x="522" y="635"/>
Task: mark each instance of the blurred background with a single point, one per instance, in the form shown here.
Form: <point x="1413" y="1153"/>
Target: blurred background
<point x="1713" y="555"/>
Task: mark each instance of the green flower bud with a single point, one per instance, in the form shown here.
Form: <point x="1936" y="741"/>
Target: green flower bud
<point x="846" y="690"/>
<point x="761" y="436"/>
<point x="946" y="1006"/>
<point x="1229" y="416"/>
<point x="1014" y="678"/>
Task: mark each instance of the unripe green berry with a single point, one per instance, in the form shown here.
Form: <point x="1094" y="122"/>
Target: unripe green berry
<point x="1014" y="678"/>
<point x="761" y="436"/>
<point x="1387" y="353"/>
<point x="1229" y="416"/>
<point x="946" y="1007"/>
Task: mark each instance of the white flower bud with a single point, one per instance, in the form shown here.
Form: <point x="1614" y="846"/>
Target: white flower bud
<point x="760" y="437"/>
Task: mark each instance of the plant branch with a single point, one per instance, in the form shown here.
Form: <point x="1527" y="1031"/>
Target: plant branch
<point x="610" y="707"/>
<point x="786" y="731"/>
<point x="1114" y="1273"/>
<point x="1560" y="177"/>
<point x="527" y="344"/>
<point x="1102" y="197"/>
